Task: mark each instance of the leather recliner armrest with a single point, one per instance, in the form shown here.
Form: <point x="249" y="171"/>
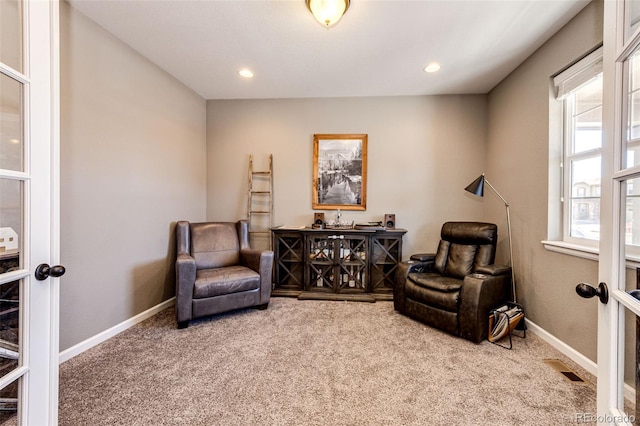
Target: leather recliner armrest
<point x="409" y="266"/>
<point x="423" y="257"/>
<point x="479" y="294"/>
<point x="185" y="280"/>
<point x="494" y="270"/>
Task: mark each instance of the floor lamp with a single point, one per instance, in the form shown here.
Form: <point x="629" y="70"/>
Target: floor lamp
<point x="477" y="187"/>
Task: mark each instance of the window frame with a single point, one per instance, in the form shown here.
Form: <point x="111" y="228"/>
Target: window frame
<point x="568" y="157"/>
<point x="562" y="83"/>
<point x="565" y="82"/>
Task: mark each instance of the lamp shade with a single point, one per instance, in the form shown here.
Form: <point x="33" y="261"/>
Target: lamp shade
<point x="476" y="187"/>
<point x="328" y="12"/>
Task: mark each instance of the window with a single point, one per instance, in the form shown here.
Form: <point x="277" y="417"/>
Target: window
<point x="579" y="88"/>
<point x="574" y="204"/>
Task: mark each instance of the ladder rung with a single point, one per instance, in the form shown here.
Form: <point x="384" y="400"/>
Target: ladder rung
<point x="261" y="177"/>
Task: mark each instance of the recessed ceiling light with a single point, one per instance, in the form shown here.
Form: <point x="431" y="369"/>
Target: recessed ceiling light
<point x="246" y="73"/>
<point x="432" y="67"/>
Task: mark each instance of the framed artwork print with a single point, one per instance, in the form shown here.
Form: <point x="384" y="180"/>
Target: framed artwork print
<point x="339" y="172"/>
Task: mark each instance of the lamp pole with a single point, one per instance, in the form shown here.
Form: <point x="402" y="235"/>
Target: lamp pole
<point x="513" y="274"/>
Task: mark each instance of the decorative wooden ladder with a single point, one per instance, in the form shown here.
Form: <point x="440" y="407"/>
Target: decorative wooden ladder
<point x="260" y="202"/>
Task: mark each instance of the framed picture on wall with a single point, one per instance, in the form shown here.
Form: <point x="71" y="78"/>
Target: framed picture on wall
<point x="339" y="172"/>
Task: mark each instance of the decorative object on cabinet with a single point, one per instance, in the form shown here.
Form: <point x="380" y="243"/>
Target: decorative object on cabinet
<point x="477" y="188"/>
<point x="390" y="221"/>
<point x="376" y="226"/>
<point x="339" y="172"/>
<point x="318" y="220"/>
<point x="455" y="288"/>
<point x="217" y="271"/>
<point x="336" y="264"/>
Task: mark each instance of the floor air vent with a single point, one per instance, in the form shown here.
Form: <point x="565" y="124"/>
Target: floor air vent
<point x="562" y="368"/>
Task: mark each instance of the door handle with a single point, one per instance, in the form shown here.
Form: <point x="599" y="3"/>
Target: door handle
<point x="587" y="291"/>
<point x="43" y="271"/>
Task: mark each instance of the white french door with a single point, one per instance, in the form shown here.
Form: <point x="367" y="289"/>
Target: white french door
<point x="28" y="211"/>
<point x="618" y="316"/>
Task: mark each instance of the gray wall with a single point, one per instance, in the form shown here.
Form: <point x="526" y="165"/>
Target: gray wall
<point x="422" y="152"/>
<point x="519" y="137"/>
<point x="132" y="163"/>
<point x="133" y="145"/>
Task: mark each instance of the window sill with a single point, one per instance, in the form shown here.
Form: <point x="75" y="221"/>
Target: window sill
<point x="585" y="252"/>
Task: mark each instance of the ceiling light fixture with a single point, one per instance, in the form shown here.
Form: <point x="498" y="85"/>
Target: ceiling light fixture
<point x="327" y="12"/>
<point x="432" y="67"/>
<point x="246" y="73"/>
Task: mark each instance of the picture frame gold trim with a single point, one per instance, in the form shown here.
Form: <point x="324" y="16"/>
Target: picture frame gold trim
<point x="339" y="172"/>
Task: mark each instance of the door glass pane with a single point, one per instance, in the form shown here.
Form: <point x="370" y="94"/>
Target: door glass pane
<point x="9" y="403"/>
<point x="632" y="210"/>
<point x="632" y="18"/>
<point x="9" y="326"/>
<point x="11" y="192"/>
<point x="634" y="115"/>
<point x="11" y="123"/>
<point x="633" y="111"/>
<point x="11" y="210"/>
<point x="629" y="344"/>
<point x="628" y="398"/>
<point x="11" y="33"/>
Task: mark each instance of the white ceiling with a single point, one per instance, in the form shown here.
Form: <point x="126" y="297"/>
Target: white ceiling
<point x="379" y="48"/>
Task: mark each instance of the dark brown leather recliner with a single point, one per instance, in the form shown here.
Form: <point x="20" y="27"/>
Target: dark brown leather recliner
<point x="217" y="271"/>
<point x="455" y="288"/>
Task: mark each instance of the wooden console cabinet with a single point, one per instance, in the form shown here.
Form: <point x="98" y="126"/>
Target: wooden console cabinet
<point x="339" y="264"/>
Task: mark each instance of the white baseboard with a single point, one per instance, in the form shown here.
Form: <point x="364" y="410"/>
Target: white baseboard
<point x="566" y="350"/>
<point x="575" y="356"/>
<point x="67" y="354"/>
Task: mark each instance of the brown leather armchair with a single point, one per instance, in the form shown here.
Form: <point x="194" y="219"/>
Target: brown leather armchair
<point x="217" y="271"/>
<point x="455" y="288"/>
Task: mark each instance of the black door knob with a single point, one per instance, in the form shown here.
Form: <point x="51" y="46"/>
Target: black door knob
<point x="587" y="291"/>
<point x="44" y="271"/>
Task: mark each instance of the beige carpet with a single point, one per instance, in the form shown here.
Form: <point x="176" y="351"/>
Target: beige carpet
<point x="315" y="363"/>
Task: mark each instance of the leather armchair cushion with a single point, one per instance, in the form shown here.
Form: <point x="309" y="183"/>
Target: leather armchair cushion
<point x="469" y="233"/>
<point x="214" y="245"/>
<point x="484" y="255"/>
<point x="220" y="281"/>
<point x="440" y="262"/>
<point x="444" y="300"/>
<point x="460" y="260"/>
<point x="436" y="282"/>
